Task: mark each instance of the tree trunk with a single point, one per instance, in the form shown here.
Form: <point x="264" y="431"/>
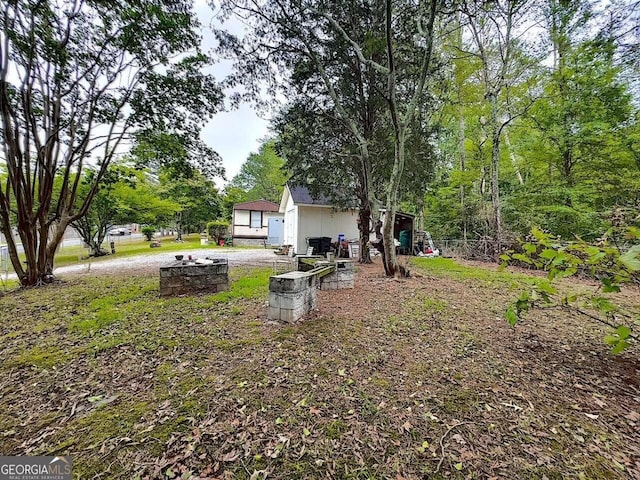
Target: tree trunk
<point x="368" y="214"/>
<point x="495" y="162"/>
<point x="92" y="238"/>
<point x="463" y="157"/>
<point x="379" y="245"/>
<point x="179" y="227"/>
<point x="512" y="157"/>
<point x="39" y="245"/>
<point x="391" y="261"/>
<point x="364" y="220"/>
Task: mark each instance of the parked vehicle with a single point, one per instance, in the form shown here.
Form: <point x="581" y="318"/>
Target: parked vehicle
<point x="120" y="231"/>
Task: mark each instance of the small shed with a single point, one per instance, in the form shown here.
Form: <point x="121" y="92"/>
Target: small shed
<point x="252" y="222"/>
<point x="306" y="216"/>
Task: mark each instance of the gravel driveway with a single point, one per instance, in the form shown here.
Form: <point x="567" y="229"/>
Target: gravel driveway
<point x="151" y="262"/>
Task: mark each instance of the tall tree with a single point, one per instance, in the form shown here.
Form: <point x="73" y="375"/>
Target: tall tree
<point x="401" y="31"/>
<point x="584" y="122"/>
<point x="77" y="78"/>
<point x="125" y="195"/>
<point x="494" y="28"/>
<point x="320" y="72"/>
<point x="196" y="196"/>
<point x="262" y="175"/>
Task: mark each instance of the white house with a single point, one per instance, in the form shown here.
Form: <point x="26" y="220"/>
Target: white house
<point x="307" y="217"/>
<point x="255" y="222"/>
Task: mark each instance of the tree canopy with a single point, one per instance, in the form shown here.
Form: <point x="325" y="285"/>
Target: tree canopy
<point x="262" y="175"/>
<point x="77" y="80"/>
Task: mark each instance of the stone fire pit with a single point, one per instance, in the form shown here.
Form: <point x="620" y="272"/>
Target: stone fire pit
<point x="182" y="277"/>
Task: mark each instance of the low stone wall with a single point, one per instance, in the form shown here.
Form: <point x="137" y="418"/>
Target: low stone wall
<point x="342" y="277"/>
<point x="178" y="279"/>
<point x="248" y="242"/>
<point x="294" y="294"/>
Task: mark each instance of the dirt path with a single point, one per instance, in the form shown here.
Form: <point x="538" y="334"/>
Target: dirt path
<point x="151" y="262"/>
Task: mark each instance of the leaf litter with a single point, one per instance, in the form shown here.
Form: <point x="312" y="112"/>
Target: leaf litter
<point x="413" y="379"/>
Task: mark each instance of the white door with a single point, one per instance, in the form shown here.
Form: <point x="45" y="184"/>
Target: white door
<point x="275" y="235"/>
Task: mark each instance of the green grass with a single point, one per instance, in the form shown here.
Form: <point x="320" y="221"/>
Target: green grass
<point x="125" y="246"/>
<point x="248" y="287"/>
<point x="93" y="321"/>
<point x="128" y="247"/>
<point x="42" y="357"/>
<point x="10" y="284"/>
<point x="104" y="369"/>
<point x="449" y="268"/>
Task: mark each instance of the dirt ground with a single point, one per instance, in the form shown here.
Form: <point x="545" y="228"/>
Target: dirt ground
<point x="402" y="379"/>
<point x="515" y="400"/>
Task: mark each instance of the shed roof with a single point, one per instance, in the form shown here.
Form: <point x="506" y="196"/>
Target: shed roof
<point x="302" y="196"/>
<point x="261" y="205"/>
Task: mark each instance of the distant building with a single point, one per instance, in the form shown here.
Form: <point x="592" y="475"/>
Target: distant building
<point x="257" y="223"/>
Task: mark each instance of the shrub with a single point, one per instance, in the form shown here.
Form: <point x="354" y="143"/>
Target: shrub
<point x="217" y="229"/>
<point x="148" y="232"/>
<point x="612" y="266"/>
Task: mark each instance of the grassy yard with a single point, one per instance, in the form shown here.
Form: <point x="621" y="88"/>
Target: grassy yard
<point x="128" y="247"/>
<point x="419" y="378"/>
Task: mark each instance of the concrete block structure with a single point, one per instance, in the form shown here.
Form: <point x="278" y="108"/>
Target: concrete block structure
<point x="342" y="277"/>
<point x="178" y="278"/>
<point x="292" y="295"/>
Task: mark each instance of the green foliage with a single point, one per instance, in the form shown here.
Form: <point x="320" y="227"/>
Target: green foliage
<point x="217" y="229"/>
<point x="568" y="160"/>
<point x="178" y="154"/>
<point x="125" y="195"/>
<point x="196" y="195"/>
<point x="605" y="262"/>
<point x="262" y="175"/>
<point x="79" y="79"/>
<point x="148" y="231"/>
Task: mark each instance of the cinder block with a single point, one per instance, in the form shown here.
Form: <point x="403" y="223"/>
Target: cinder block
<point x="274" y="300"/>
<point x="292" y="301"/>
<point x="274" y="313"/>
<point x="288" y="316"/>
<point x="311" y="297"/>
<point x="178" y="279"/>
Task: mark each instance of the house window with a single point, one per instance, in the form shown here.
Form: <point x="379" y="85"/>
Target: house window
<point x="256" y="219"/>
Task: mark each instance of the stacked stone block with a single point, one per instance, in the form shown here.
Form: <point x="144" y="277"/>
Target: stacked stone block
<point x="292" y="295"/>
<point x="178" y="279"/>
<point x="342" y="277"/>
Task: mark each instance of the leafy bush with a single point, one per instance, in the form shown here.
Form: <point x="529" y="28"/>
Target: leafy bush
<point x="217" y="229"/>
<point x="148" y="232"/>
<point x="606" y="262"/>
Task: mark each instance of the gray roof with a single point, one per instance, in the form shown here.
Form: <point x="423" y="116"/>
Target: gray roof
<point x="302" y="196"/>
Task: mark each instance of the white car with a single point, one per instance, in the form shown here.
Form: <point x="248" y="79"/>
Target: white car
<point x="120" y="231"/>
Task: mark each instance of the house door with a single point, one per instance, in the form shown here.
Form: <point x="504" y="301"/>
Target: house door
<point x="276" y="231"/>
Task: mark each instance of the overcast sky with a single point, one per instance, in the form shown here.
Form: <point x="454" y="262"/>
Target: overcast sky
<point x="237" y="133"/>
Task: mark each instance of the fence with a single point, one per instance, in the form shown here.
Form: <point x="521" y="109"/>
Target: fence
<point x="478" y="249"/>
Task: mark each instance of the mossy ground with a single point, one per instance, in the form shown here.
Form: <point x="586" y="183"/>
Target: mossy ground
<point x="420" y="378"/>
